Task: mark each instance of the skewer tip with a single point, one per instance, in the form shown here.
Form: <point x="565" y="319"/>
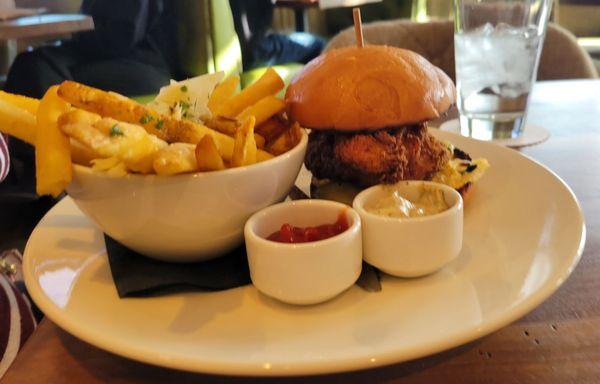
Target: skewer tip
<point x="358" y="27"/>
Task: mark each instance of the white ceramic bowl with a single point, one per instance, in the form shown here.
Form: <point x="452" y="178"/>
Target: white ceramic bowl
<point x="188" y="217"/>
<point x="411" y="247"/>
<point x="304" y="273"/>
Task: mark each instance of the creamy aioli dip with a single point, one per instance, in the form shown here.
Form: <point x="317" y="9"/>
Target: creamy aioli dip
<point x="429" y="202"/>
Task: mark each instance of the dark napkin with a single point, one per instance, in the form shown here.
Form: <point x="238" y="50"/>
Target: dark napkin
<point x="139" y="276"/>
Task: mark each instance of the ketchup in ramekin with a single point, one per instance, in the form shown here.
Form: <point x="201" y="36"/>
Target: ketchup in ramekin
<point x="291" y="234"/>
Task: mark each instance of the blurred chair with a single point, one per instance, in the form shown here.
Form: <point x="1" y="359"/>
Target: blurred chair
<point x="562" y="57"/>
<point x="8" y="48"/>
<point x="337" y="19"/>
<point x="207" y="42"/>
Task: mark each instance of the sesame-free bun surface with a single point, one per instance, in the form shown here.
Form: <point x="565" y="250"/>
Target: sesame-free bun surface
<point x="368" y="88"/>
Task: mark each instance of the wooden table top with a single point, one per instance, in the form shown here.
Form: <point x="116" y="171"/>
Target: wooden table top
<point x="558" y="342"/>
<point x="44" y="25"/>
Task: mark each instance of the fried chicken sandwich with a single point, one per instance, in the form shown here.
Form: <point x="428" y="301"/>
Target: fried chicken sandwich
<point x="367" y="108"/>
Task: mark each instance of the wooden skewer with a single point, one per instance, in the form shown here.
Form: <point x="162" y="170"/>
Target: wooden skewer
<point x="358" y="27"/>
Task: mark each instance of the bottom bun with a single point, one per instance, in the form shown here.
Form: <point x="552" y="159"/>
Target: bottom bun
<point x="345" y="192"/>
<point x="460" y="170"/>
<point x="330" y="190"/>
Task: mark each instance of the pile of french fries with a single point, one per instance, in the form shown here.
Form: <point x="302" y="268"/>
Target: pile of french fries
<point x="75" y="123"/>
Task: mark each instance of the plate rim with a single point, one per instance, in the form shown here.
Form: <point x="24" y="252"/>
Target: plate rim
<point x="339" y="365"/>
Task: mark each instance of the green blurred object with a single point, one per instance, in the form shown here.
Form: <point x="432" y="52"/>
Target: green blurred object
<point x="424" y="11"/>
<point x="206" y="36"/>
<point x="207" y="42"/>
<point x="145" y="99"/>
<point x="341" y="18"/>
<point x="287" y="72"/>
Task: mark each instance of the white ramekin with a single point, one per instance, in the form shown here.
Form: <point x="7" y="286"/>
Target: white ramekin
<point x="304" y="273"/>
<point x="411" y="247"/>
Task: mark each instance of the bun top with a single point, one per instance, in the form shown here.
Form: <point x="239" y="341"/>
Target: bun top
<point x="369" y="88"/>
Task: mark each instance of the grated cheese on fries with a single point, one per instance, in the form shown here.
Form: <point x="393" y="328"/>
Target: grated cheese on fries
<point x="116" y="135"/>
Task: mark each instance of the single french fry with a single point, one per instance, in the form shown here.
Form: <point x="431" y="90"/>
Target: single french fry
<point x="244" y="151"/>
<point x="262" y="155"/>
<point x="79" y="116"/>
<point x="17" y="122"/>
<point x="263" y="109"/>
<point x="223" y="124"/>
<point x="131" y="143"/>
<point x="90" y="137"/>
<point x="272" y="129"/>
<point x="268" y="84"/>
<point x="207" y="155"/>
<point x="21" y="124"/>
<point x="223" y="92"/>
<point x="286" y="141"/>
<point x="27" y="103"/>
<point x="52" y="147"/>
<point x="112" y="166"/>
<point x="260" y="141"/>
<point x="105" y="164"/>
<point x="175" y="159"/>
<point x="110" y="138"/>
<point x="82" y="155"/>
<point x="119" y="107"/>
<point x="113" y="105"/>
<point x="296" y="134"/>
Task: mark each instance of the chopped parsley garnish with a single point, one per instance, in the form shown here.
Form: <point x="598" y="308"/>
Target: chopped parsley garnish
<point x="184" y="88"/>
<point x="159" y="124"/>
<point x="146" y="119"/>
<point x="184" y="105"/>
<point x="115" y="131"/>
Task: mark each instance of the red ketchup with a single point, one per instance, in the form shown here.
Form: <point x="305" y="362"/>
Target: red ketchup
<point x="290" y="234"/>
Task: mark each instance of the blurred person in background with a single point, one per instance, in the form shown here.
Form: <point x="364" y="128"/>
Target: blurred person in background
<point x="130" y="51"/>
<point x="260" y="47"/>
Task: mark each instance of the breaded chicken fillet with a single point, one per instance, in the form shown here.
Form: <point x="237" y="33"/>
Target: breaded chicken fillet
<point x="369" y="158"/>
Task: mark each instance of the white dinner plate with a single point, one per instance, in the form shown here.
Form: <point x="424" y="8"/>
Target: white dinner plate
<point x="524" y="234"/>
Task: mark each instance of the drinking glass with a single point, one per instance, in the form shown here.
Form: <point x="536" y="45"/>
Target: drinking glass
<point x="497" y="45"/>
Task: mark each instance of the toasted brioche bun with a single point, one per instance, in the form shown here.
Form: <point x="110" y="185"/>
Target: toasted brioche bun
<point x="369" y="88"/>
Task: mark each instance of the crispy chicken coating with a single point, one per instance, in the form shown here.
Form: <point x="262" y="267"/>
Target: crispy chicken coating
<point x="385" y="156"/>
